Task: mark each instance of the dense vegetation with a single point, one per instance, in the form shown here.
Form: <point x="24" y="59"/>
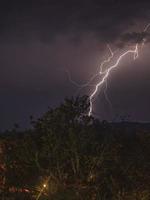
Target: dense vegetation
<point x="67" y="155"/>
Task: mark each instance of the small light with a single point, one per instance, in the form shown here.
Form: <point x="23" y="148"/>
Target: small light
<point x="44" y="185"/>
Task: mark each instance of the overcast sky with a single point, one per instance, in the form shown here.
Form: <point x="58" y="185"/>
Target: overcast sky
<point x="40" y="39"/>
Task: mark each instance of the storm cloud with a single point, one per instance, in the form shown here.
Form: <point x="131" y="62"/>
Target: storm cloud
<point x="38" y="39"/>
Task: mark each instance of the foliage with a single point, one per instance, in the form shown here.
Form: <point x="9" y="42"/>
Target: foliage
<point x="78" y="157"/>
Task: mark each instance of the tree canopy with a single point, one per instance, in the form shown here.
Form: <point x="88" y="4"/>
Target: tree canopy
<point x="69" y="155"/>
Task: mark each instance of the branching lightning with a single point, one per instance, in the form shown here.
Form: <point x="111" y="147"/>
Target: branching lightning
<point x="104" y="73"/>
<point x="100" y="71"/>
<point x="107" y="72"/>
<point x="147" y="27"/>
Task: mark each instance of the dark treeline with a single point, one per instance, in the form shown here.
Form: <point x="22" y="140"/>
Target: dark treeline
<point x="67" y="155"/>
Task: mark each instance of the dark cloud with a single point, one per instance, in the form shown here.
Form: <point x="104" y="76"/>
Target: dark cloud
<point x="40" y="37"/>
<point x="135" y="37"/>
<point x="46" y="18"/>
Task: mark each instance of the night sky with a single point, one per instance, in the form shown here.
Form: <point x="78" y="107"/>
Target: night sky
<point x="39" y="40"/>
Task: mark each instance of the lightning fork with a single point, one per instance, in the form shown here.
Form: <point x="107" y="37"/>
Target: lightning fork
<point x="107" y="72"/>
<point x="81" y="86"/>
<point x="104" y="73"/>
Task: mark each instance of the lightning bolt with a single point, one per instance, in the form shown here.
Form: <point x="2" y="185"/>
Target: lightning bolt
<point x="147" y="27"/>
<point x="100" y="71"/>
<point x="107" y="73"/>
<point x="145" y="30"/>
<point x="104" y="73"/>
